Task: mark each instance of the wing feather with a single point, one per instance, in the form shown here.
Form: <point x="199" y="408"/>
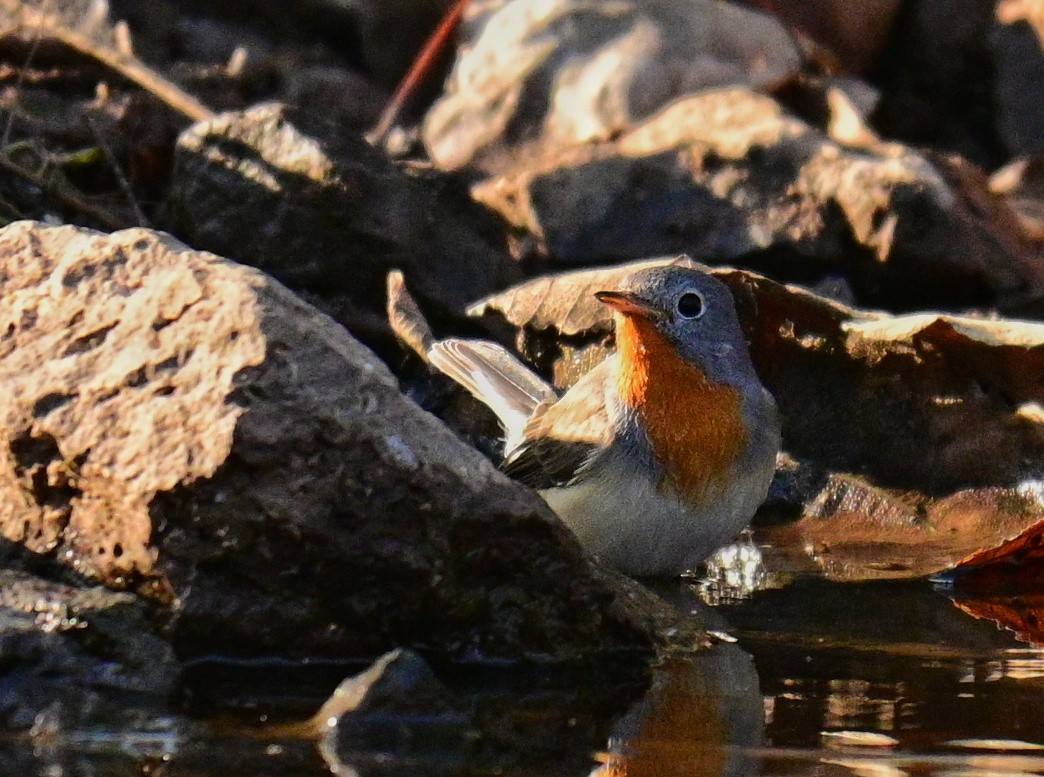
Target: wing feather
<point x="561" y="440"/>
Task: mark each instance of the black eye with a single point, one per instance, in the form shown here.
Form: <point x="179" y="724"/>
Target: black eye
<point x="690" y="305"/>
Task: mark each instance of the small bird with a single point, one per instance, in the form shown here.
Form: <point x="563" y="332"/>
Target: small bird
<point x="661" y="453"/>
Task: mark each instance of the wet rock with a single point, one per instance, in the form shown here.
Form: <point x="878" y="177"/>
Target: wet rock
<point x="396" y="706"/>
<point x="536" y="77"/>
<point x="183" y="426"/>
<point x="330" y="219"/>
<point x="75" y="655"/>
<point x="728" y="176"/>
<point x="852" y="530"/>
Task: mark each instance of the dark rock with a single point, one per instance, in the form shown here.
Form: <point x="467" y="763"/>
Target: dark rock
<point x="390" y="35"/>
<point x="74" y="656"/>
<point x="330" y="220"/>
<point x="853" y="32"/>
<point x="1021" y="183"/>
<point x="185" y="427"/>
<point x="397" y="706"/>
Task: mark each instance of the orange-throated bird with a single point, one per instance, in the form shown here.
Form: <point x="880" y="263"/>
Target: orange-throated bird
<point x="661" y="453"/>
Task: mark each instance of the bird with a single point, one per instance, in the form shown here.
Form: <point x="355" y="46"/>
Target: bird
<point x="660" y="454"/>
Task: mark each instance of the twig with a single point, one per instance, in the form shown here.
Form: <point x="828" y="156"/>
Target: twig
<point x="132" y="69"/>
<point x="418" y="72"/>
<point x="121" y="179"/>
<point x="67" y="198"/>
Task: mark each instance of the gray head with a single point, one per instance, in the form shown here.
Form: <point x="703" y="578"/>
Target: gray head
<point x="694" y="310"/>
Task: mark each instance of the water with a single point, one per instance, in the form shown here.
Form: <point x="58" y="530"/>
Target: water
<point x="822" y="679"/>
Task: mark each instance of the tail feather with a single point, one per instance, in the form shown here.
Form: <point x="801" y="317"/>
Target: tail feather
<point x="494" y="376"/>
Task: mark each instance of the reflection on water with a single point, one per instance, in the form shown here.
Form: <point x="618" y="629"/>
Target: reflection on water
<point x="882" y="680"/>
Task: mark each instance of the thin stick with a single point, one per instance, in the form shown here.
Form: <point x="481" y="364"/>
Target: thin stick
<point x="418" y="72"/>
<point x="121" y="179"/>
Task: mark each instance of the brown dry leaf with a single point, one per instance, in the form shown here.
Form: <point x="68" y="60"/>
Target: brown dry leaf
<point x="852" y="531"/>
<point x="927" y="430"/>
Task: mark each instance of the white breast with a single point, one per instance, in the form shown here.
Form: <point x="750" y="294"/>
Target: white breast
<point x="621" y="514"/>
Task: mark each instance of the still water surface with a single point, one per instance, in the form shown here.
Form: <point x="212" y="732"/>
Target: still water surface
<point x="870" y="680"/>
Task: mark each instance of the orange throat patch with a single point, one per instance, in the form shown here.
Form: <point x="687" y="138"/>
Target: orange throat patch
<point x="695" y="426"/>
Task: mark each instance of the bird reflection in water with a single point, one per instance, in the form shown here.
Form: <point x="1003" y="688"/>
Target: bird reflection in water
<point x="702" y="717"/>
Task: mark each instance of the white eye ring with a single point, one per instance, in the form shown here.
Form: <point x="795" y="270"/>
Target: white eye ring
<point x="690" y="305"/>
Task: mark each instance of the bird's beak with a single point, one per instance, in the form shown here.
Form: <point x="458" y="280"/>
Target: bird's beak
<point x="629" y="304"/>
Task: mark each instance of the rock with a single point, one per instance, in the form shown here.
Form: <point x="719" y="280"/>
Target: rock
<point x="390" y="35"/>
<point x="182" y="426"/>
<point x="75" y="656"/>
<point x="399" y="707"/>
<point x="540" y="77"/>
<point x="728" y="176"/>
<point x="1021" y="183"/>
<point x="331" y="219"/>
<point x="853" y="531"/>
<point x="966" y="77"/>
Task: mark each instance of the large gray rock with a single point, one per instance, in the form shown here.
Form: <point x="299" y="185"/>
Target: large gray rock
<point x="182" y="426"/>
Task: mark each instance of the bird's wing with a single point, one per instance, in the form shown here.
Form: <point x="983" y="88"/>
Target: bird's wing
<point x="562" y="439"/>
<point x="494" y="376"/>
